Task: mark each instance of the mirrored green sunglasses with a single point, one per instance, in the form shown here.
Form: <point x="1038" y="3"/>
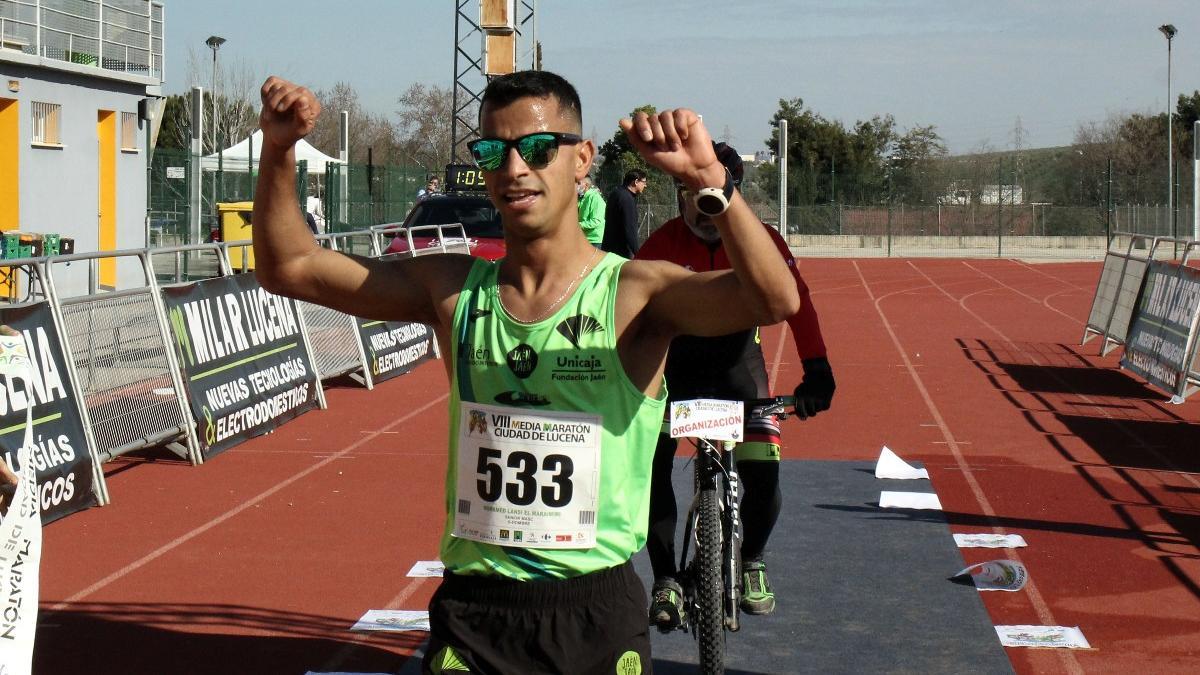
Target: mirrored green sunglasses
<point x="537" y="150"/>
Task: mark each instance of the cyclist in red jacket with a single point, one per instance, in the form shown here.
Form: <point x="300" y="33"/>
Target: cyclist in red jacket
<point x="727" y="367"/>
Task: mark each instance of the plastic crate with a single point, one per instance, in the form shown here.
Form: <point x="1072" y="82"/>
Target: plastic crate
<point x="51" y="243"/>
<point x="10" y="245"/>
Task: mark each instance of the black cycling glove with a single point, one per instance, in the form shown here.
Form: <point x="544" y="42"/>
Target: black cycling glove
<point x="815" y="392"/>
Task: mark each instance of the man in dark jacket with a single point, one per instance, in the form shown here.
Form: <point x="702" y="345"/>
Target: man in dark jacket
<point x="620" y="215"/>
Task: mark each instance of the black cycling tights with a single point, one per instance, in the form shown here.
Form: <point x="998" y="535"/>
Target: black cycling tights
<point x="761" y="501"/>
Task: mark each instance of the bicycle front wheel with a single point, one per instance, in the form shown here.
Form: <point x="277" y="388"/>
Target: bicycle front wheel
<point x="710" y="624"/>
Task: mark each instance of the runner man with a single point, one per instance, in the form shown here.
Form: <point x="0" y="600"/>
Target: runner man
<point x="555" y="357"/>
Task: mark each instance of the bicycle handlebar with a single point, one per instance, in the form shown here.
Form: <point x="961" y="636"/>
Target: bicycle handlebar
<point x="774" y="405"/>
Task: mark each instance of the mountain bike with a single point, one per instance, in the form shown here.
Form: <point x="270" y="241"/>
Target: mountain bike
<point x="711" y="578"/>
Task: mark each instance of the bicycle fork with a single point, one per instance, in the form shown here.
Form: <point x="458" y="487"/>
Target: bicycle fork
<point x="732" y="557"/>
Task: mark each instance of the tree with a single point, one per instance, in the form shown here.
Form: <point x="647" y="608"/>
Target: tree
<point x="617" y="155"/>
<point x="1134" y="142"/>
<point x="916" y="179"/>
<point x="1187" y="111"/>
<point x="424" y="125"/>
<point x="826" y="161"/>
<point x="175" y="131"/>
<point x="236" y="113"/>
<point x="237" y="99"/>
<point x="370" y="135"/>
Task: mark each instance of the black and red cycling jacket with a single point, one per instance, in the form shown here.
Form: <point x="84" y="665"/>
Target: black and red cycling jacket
<point x="727" y="366"/>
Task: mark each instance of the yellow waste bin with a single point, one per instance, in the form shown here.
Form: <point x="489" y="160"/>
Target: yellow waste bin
<point x="235" y="226"/>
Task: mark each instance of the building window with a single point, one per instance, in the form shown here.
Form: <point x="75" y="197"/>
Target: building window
<point x="129" y="125"/>
<point x="46" y="124"/>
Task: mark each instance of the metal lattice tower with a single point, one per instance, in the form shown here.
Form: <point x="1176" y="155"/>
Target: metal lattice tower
<point x="469" y="77"/>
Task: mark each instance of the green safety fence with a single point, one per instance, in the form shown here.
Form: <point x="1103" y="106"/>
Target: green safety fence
<point x="371" y="194"/>
<point x="374" y="194"/>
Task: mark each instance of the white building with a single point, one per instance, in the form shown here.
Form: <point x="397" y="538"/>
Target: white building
<point x="74" y="76"/>
<point x="992" y="194"/>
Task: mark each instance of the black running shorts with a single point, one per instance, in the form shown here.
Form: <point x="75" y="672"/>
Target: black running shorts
<point x="592" y="624"/>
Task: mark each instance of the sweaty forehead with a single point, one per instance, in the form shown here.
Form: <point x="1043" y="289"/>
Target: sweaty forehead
<point x="526" y="115"/>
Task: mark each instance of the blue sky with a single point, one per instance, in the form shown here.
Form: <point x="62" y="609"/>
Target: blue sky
<point x="970" y="68"/>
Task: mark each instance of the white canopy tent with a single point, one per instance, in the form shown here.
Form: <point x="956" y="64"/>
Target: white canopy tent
<point x="238" y="157"/>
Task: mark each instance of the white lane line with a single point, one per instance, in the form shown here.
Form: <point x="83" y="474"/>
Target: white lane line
<point x="1042" y="301"/>
<point x="184" y="538"/>
<point x="1070" y="663"/>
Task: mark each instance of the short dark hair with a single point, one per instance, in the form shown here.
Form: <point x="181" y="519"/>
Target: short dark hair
<point x="632" y="176"/>
<point x="506" y="89"/>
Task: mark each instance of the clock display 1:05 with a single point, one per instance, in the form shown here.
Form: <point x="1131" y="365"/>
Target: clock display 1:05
<point x="464" y="177"/>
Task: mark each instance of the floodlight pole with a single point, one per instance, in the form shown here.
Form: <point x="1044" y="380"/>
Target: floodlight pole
<point x="783" y="177"/>
<point x="214" y="43"/>
<point x="1169" y="31"/>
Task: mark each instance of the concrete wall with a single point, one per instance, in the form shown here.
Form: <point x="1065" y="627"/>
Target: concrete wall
<point x="59" y="187"/>
<point x="1061" y="248"/>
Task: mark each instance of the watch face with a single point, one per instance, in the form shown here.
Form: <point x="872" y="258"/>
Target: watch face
<point x="710" y="205"/>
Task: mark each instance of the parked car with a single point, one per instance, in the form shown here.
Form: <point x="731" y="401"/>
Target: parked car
<point x="480" y="221"/>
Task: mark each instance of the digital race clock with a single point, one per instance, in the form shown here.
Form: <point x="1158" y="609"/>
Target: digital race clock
<point x="464" y="178"/>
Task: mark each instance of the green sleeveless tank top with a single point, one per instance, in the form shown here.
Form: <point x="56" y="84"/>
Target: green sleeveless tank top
<point x="566" y="364"/>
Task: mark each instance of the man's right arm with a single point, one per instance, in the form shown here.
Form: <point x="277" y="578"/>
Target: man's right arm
<point x="288" y="259"/>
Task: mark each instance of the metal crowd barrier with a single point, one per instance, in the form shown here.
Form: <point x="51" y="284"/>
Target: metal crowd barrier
<point x="120" y="352"/>
<point x="192" y="262"/>
<point x="42" y="290"/>
<point x="333" y="335"/>
<point x="450" y="238"/>
<point x="123" y="359"/>
<point x="1115" y="299"/>
<point x="1115" y="303"/>
<point x="1116" y="293"/>
<point x="1189" y="382"/>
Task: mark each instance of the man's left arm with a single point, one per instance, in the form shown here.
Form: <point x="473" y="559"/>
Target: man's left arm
<point x="814" y="394"/>
<point x="759" y="290"/>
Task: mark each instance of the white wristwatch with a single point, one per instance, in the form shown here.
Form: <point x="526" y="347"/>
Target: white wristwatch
<point x="713" y="201"/>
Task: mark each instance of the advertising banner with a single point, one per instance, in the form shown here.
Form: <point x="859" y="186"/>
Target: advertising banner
<point x="244" y="363"/>
<point x="392" y="347"/>
<point x="59" y="447"/>
<point x="20" y="530"/>
<point x="1163" y="325"/>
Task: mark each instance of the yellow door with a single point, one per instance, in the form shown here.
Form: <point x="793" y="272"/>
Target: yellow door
<point x="10" y="181"/>
<point x="106" y="133"/>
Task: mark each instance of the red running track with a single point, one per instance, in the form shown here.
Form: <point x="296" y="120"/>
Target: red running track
<point x="260" y="560"/>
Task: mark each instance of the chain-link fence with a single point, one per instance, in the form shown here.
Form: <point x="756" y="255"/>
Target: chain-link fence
<point x="373" y="194"/>
<point x="1066" y="206"/>
<point x="352" y="197"/>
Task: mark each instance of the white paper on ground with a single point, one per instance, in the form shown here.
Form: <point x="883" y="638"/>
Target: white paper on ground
<point x="891" y="466"/>
<point x="427" y="568"/>
<point x="997" y="575"/>
<point x="989" y="540"/>
<point x="909" y="500"/>
<point x="1069" y="637"/>
<point x="398" y="620"/>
